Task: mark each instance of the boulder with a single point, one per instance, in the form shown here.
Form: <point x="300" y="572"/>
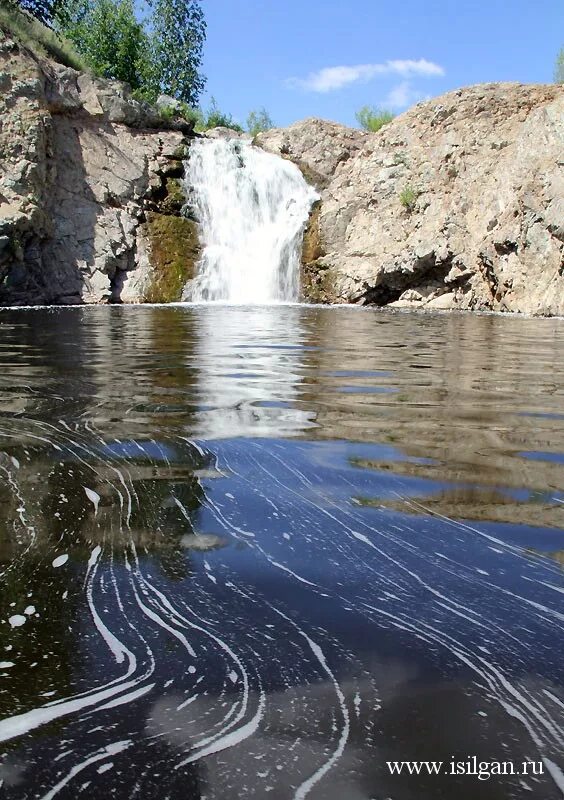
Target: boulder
<point x="225" y="133"/>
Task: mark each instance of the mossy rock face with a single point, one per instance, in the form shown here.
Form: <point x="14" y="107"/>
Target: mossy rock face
<point x="318" y="284"/>
<point x="174" y="199"/>
<point x="181" y="152"/>
<point x="317" y="281"/>
<point x="174" y="251"/>
<point x="312" y="248"/>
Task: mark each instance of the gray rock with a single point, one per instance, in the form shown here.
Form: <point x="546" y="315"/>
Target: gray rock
<point x="487" y="230"/>
<point x="165" y="102"/>
<point x="225" y="133"/>
<point x="81" y="166"/>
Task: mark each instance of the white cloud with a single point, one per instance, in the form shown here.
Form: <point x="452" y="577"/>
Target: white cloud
<point x="403" y="95"/>
<point x="330" y="78"/>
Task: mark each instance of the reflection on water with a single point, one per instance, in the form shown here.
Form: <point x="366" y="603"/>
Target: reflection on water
<point x="262" y="551"/>
<point x="251" y="364"/>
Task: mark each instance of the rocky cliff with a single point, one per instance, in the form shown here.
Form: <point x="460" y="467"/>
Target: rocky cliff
<point x="89" y="199"/>
<point x="458" y="203"/>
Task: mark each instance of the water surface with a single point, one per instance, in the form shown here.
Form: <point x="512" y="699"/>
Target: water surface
<point x="260" y="552"/>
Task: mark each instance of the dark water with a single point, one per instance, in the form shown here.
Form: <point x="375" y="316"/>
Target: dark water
<point x="259" y="553"/>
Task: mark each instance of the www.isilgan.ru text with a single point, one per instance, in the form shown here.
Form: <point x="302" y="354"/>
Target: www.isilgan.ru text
<point x="483" y="770"/>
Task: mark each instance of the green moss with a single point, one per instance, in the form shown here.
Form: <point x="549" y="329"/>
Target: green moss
<point x="318" y="284"/>
<point x="312" y="248"/>
<point x="181" y="152"/>
<point x="174" y="251"/>
<point x="175" y="199"/>
<point x="318" y="281"/>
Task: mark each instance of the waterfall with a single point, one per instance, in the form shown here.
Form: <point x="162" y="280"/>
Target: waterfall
<point x="252" y="208"/>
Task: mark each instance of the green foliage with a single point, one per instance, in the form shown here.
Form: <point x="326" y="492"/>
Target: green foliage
<point x="259" y="121"/>
<point x="177" y="35"/>
<point x="372" y="119"/>
<point x="108" y="35"/>
<point x="193" y="115"/>
<point x="42" y="41"/>
<point x="168" y="113"/>
<point x="559" y="67"/>
<point x="201" y="120"/>
<point x="215" y="118"/>
<point x="158" y="54"/>
<point x="408" y="197"/>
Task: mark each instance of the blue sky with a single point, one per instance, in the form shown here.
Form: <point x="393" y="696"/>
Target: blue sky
<point x="327" y="58"/>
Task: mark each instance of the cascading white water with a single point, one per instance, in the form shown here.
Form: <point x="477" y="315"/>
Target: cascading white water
<point x="252" y="208"/>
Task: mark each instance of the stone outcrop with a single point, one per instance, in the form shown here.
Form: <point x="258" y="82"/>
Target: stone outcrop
<point x="87" y="174"/>
<point x="458" y="203"/>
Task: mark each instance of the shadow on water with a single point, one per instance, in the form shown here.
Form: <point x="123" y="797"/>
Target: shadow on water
<point x="264" y="551"/>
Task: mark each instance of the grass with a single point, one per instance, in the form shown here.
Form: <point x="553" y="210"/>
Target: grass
<point x="408" y="197"/>
<point x="373" y="119"/>
<point x="168" y="113"/>
<point x="43" y="42"/>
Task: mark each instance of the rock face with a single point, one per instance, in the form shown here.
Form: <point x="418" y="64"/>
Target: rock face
<point x="86" y="173"/>
<point x="458" y="203"/>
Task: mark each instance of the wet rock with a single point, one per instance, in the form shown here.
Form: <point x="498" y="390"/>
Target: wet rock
<point x="173" y="249"/>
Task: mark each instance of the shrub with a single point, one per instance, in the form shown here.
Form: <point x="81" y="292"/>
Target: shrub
<point x="408" y="197"/>
<point x="259" y="121"/>
<point x="214" y="118"/>
<point x="168" y="113"/>
<point x="372" y="119"/>
<point x="193" y="115"/>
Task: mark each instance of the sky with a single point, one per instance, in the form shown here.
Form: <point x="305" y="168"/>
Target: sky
<point x="327" y="58"/>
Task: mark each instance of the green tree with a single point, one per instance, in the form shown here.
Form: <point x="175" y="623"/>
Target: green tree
<point x="161" y="53"/>
<point x="372" y="119"/>
<point x="559" y="67"/>
<point x="108" y="35"/>
<point x="259" y="121"/>
<point x="178" y="33"/>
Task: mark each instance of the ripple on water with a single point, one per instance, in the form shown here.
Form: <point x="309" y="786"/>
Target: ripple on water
<point x="261" y="551"/>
